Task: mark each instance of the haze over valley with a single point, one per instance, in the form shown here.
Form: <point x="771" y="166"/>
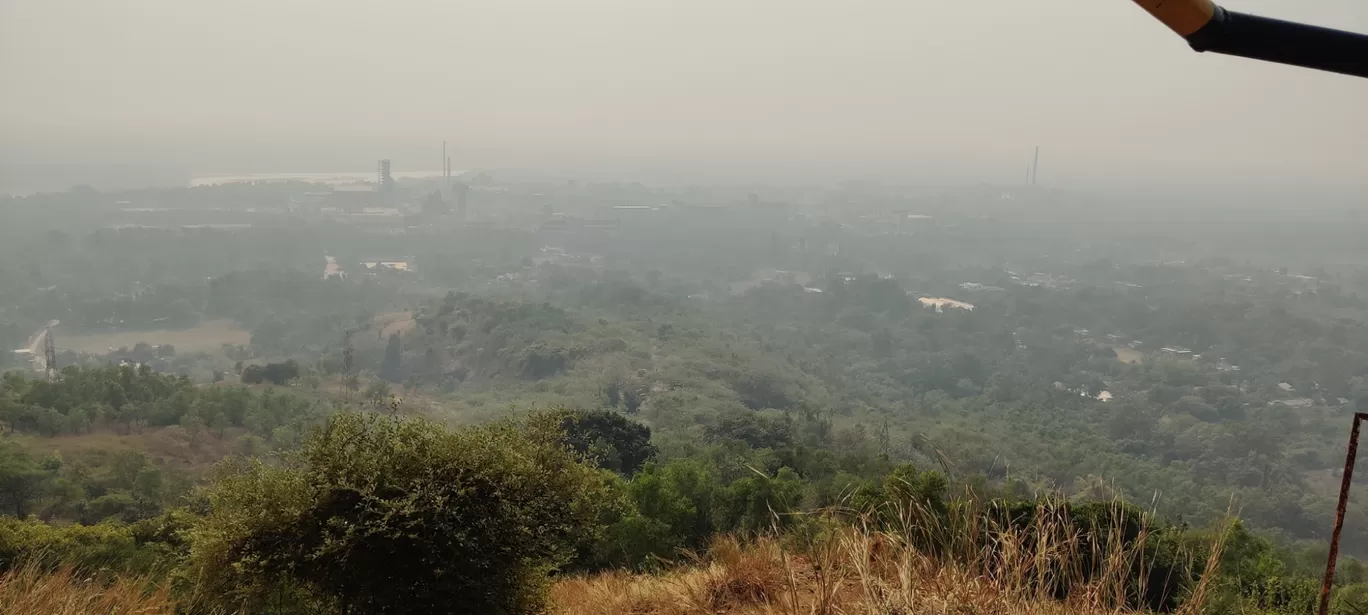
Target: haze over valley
<point x="616" y="307"/>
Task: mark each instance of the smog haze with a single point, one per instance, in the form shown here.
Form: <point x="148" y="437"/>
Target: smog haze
<point x="953" y="91"/>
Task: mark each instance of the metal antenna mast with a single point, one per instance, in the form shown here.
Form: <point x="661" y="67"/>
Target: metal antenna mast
<point x="50" y="355"/>
<point x="348" y="365"/>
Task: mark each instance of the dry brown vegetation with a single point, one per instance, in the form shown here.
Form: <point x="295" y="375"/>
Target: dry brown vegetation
<point x="856" y="570"/>
<point x="31" y="590"/>
<point x="1128" y="355"/>
<point x="209" y="336"/>
<point x="171" y="446"/>
<point x="394" y="322"/>
<point x="967" y="566"/>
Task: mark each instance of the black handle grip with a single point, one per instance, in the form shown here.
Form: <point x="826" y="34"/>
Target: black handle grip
<point x="1283" y="42"/>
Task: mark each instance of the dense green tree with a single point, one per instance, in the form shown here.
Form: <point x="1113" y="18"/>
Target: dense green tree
<point x="682" y="496"/>
<point x="23" y="484"/>
<point x="392" y="367"/>
<point x="761" y="503"/>
<point x="276" y="373"/>
<point x="610" y="439"/>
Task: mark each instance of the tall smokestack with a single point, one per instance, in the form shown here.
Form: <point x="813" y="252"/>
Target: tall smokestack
<point x="1035" y="166"/>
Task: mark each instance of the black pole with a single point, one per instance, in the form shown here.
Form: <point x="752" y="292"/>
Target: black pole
<point x="1346" y="481"/>
<point x="1283" y="42"/>
<point x="1208" y="27"/>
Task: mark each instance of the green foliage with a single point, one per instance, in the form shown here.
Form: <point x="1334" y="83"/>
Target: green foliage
<point x="93" y="487"/>
<point x="761" y="503"/>
<point x="907" y="487"/>
<point x="681" y="496"/>
<point x="108" y="485"/>
<point x="623" y="537"/>
<point x="764" y="398"/>
<point x="391" y="369"/>
<point x="89" y="548"/>
<point x="275" y="373"/>
<point x="378" y="514"/>
<point x="611" y="440"/>
<point x="23" y="483"/>
<point x="289" y="311"/>
<point x="131" y="399"/>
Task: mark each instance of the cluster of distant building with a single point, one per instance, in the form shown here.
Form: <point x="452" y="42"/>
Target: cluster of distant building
<point x="1046" y="280"/>
<point x="371" y="266"/>
<point x="940" y="303"/>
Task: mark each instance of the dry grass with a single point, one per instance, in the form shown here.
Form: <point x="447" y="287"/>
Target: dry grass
<point x="960" y="565"/>
<point x="394" y="322"/>
<point x="167" y="446"/>
<point x="209" y="336"/>
<point x="849" y="570"/>
<point x="30" y="590"/>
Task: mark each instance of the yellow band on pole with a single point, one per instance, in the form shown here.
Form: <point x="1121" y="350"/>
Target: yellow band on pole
<point x="1181" y="16"/>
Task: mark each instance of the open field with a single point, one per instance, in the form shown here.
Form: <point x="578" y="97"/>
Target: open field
<point x="209" y="335"/>
<point x="1129" y="355"/>
<point x="394" y="322"/>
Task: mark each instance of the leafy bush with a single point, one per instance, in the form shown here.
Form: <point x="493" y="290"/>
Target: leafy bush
<point x="392" y="515"/>
<point x="104" y="546"/>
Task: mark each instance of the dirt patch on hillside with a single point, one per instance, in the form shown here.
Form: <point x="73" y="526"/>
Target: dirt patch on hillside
<point x="1129" y="355"/>
<point x="395" y="322"/>
<point x="167" y="446"/>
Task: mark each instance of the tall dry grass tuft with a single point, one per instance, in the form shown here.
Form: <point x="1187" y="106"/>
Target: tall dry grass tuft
<point x="33" y="590"/>
<point x="734" y="574"/>
<point x="730" y="575"/>
<point x="970" y="561"/>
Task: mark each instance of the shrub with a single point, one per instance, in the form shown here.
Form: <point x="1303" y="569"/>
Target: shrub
<point x="104" y="546"/>
<point x="275" y="373"/>
<point x="395" y="515"/>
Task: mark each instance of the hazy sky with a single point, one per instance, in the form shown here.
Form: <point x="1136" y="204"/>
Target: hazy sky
<point x="1105" y="90"/>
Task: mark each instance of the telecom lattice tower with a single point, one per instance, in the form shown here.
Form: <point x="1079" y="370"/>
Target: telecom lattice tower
<point x="348" y="364"/>
<point x="49" y="355"/>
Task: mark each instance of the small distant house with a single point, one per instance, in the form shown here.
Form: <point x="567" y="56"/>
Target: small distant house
<point x="387" y="264"/>
<point x="940" y="303"/>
